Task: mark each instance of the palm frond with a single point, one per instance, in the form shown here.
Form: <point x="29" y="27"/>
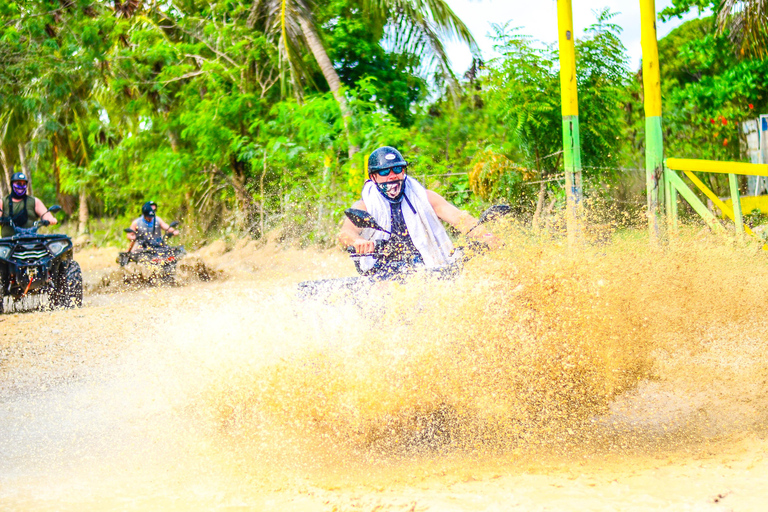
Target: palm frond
<point x="421" y="27"/>
<point x="746" y="22"/>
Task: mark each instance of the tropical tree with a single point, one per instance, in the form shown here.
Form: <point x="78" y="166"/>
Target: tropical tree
<point x="417" y="26"/>
<point x="745" y="22"/>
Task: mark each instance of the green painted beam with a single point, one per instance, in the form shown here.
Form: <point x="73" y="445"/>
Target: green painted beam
<point x="670" y="200"/>
<point x="572" y="164"/>
<point x="569" y="109"/>
<point x="654" y="142"/>
<point x="693" y="200"/>
<point x="738" y="218"/>
<point x="654" y="165"/>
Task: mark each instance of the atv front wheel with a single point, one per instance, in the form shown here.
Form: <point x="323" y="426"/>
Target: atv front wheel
<point x="68" y="291"/>
<point x="3" y="274"/>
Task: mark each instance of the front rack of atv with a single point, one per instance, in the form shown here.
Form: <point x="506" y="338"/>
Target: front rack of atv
<point x="153" y="256"/>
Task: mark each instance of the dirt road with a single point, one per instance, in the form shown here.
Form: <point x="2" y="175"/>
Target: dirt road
<point x="535" y="382"/>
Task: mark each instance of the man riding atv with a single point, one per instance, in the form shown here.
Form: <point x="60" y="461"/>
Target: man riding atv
<point x="410" y="213"/>
<point x="24" y="210"/>
<point x="148" y="229"/>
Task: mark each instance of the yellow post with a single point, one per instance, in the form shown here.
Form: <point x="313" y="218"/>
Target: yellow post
<point x="570" y="112"/>
<point x="654" y="144"/>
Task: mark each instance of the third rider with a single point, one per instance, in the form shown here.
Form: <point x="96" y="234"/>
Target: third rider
<point x="148" y="228"/>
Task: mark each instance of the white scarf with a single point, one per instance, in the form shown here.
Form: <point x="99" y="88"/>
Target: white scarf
<point x="425" y="228"/>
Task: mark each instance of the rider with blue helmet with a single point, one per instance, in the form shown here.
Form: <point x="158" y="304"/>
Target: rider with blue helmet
<point x="21" y="208"/>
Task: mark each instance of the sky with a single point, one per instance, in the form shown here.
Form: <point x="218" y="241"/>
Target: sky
<point x="538" y="18"/>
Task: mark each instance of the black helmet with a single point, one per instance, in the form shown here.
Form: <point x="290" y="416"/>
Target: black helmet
<point x="384" y="158"/>
<point x="19" y="176"/>
<point x="384" y="161"/>
<point x="147" y="209"/>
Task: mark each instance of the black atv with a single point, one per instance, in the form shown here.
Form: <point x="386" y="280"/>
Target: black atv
<point x="154" y="253"/>
<point x="389" y="266"/>
<point x="35" y="264"/>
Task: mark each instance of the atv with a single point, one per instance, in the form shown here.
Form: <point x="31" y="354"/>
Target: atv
<point x="35" y="264"/>
<point x="154" y="253"/>
<point x="389" y="267"/>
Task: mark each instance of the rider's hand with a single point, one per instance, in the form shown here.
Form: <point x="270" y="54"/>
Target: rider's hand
<point x="491" y="240"/>
<point x="45" y="222"/>
<point x="363" y="246"/>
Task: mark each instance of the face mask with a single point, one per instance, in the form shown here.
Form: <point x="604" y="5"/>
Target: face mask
<point x="392" y="190"/>
<point x="19" y="189"/>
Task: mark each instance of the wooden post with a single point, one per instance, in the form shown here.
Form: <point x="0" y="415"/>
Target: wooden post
<point x="654" y="144"/>
<point x="570" y="112"/>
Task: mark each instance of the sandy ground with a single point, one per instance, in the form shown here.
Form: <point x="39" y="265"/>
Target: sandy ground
<point x="235" y="394"/>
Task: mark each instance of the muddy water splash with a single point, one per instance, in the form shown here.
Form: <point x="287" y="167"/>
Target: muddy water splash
<point x="618" y="349"/>
<point x="532" y="361"/>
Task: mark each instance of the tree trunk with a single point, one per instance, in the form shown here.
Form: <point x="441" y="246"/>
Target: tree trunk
<point x="542" y="193"/>
<point x="540" y="204"/>
<point x="5" y="183"/>
<point x="82" y="226"/>
<point x="332" y="77"/>
<point x="241" y="195"/>
<point x="173" y="138"/>
<point x="261" y="194"/>
<point x="25" y="167"/>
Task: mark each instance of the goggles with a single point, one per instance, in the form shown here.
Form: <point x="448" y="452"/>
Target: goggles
<point x="385" y="172"/>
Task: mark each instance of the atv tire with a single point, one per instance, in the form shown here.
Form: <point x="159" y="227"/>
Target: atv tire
<point x="68" y="291"/>
<point x="3" y="273"/>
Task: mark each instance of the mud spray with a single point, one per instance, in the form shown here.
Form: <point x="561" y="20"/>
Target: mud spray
<point x="535" y="360"/>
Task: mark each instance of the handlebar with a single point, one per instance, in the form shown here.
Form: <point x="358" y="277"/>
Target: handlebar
<point x="378" y="246"/>
<point x="7" y="221"/>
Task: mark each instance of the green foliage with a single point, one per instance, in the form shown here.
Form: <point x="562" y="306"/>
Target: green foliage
<point x="359" y="55"/>
<point x="524" y="89"/>
<point x="680" y="7"/>
<point x="193" y="105"/>
<point x="708" y="92"/>
<point x="744" y="22"/>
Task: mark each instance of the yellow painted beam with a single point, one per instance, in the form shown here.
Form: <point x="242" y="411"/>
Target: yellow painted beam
<point x="568" y="90"/>
<point x="727" y="210"/>
<point x="651" y="74"/>
<point x="695" y="165"/>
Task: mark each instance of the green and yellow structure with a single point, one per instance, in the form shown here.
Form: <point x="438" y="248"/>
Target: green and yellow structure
<point x="570" y="112"/>
<point x="663" y="183"/>
<point x="654" y="145"/>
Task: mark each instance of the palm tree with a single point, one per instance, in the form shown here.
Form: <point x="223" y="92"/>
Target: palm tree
<point x="747" y="23"/>
<point x="420" y="27"/>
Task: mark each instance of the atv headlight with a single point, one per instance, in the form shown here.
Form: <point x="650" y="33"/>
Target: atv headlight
<point x="58" y="247"/>
<point x="5" y="250"/>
